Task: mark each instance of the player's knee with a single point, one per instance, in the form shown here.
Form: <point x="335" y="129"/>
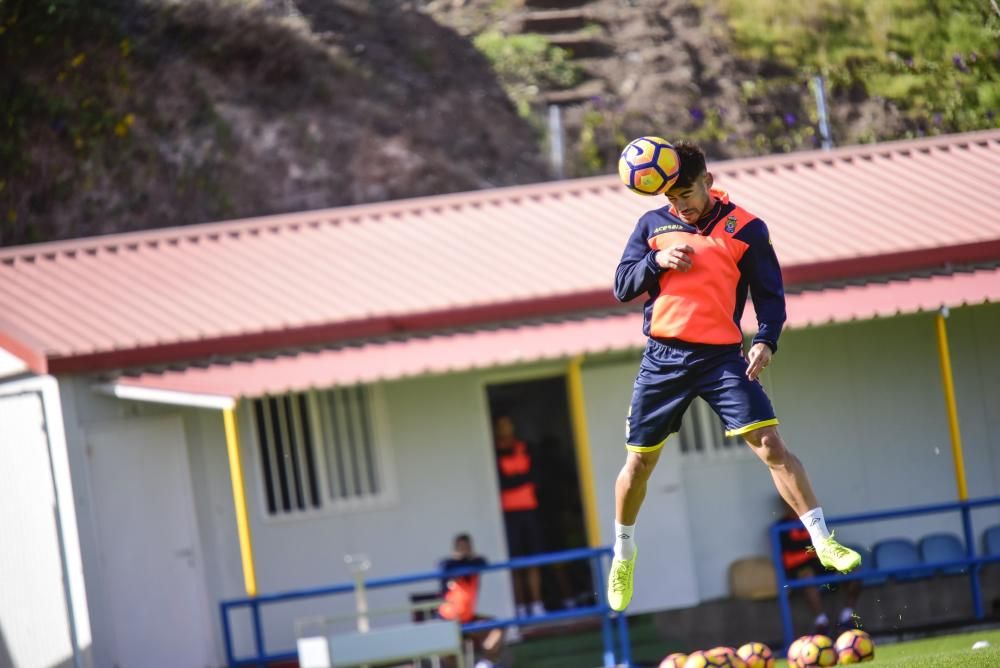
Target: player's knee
<point x="639" y="465"/>
<point x="769" y="447"/>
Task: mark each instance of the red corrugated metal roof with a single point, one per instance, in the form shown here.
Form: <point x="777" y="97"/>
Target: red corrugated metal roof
<point x="464" y="351"/>
<point x="471" y="258"/>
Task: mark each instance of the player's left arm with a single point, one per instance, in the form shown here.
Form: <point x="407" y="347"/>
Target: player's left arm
<point x="759" y="265"/>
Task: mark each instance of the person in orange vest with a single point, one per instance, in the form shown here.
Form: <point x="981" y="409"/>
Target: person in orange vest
<point x="460" y="594"/>
<point x="519" y="501"/>
<point x="799" y="561"/>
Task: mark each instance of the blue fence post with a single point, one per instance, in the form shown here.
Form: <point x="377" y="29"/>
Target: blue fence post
<point x="623" y="639"/>
<point x="970" y="552"/>
<point x="258" y="632"/>
<point x="787" y="630"/>
<point x="226" y="634"/>
<point x="597" y="572"/>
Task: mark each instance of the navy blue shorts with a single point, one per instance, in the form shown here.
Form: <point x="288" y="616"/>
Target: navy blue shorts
<point x="671" y="376"/>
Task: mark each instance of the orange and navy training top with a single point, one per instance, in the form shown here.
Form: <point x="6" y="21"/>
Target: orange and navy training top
<point x="517" y="482"/>
<point x="732" y="255"/>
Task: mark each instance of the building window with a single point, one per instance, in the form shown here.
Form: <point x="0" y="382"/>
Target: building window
<point x="316" y="450"/>
<point x="703" y="431"/>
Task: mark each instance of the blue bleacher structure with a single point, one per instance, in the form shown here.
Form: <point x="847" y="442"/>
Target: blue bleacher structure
<point x="899" y="553"/>
<point x="991" y="541"/>
<point x="937" y="548"/>
<point x="902" y="560"/>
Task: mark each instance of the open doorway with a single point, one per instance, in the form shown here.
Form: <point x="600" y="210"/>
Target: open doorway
<point x="538" y="411"/>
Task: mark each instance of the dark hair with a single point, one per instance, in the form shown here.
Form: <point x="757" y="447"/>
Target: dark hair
<point x="692" y="162"/>
<point x="462" y="537"/>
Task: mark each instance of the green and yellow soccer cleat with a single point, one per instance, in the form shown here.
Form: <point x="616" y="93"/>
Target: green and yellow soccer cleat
<point x="620" y="582"/>
<point x="836" y="557"/>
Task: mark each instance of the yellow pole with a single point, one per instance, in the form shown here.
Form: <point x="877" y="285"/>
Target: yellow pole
<point x="581" y="439"/>
<point x="240" y="500"/>
<point x="949" y="400"/>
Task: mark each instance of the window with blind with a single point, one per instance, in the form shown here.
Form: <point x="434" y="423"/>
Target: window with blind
<point x="316" y="450"/>
<point x="703" y="431"/>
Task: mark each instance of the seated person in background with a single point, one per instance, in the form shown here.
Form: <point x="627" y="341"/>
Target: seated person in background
<point x="460" y="594"/>
<point x="800" y="561"/>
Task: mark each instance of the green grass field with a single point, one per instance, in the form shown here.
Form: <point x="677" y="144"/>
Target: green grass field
<point x="584" y="650"/>
<point x="942" y="652"/>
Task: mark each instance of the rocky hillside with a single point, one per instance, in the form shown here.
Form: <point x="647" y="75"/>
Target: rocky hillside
<point x="173" y="113"/>
<point x="667" y="67"/>
<point x="130" y="114"/>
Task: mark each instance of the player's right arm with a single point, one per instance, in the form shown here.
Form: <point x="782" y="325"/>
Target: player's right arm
<point x="640" y="267"/>
<point x="637" y="271"/>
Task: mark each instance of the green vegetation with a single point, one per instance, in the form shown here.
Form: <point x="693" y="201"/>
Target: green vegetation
<point x="40" y="37"/>
<point x="937" y="61"/>
<point x="526" y="64"/>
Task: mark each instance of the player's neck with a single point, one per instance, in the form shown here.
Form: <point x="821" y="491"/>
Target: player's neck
<point x="710" y="212"/>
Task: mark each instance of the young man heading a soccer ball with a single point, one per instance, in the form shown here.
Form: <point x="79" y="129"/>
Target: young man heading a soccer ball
<point x="695" y="260"/>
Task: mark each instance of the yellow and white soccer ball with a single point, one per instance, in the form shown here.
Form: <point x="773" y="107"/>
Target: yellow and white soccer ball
<point x="718" y="657"/>
<point x="854" y="646"/>
<point x="814" y="650"/>
<point x="675" y="660"/>
<point x="649" y="165"/>
<point x="756" y="655"/>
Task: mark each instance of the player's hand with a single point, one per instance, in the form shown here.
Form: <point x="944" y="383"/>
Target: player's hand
<point x="759" y="357"/>
<point x="676" y="257"/>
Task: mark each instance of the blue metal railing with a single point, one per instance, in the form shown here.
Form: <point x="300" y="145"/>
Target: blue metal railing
<point x="972" y="562"/>
<point x="597" y="556"/>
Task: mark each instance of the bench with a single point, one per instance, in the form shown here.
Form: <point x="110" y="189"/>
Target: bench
<point x="403" y="642"/>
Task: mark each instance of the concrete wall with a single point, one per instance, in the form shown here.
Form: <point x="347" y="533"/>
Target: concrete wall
<point x="434" y="436"/>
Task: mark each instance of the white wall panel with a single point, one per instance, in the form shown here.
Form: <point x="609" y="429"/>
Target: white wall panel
<point x="34" y="616"/>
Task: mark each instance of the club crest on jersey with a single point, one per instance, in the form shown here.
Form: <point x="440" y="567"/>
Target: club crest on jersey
<point x="731" y="224"/>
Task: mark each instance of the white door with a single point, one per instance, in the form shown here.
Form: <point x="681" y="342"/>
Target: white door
<point x="152" y="572"/>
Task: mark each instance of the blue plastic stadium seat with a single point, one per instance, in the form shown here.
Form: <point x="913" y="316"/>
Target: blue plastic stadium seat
<point x="899" y="553"/>
<point x="991" y="541"/>
<point x="938" y="547"/>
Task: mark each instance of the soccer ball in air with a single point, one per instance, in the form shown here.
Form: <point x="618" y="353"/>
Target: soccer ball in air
<point x="756" y="655"/>
<point x="675" y="660"/>
<point x="714" y="658"/>
<point x="810" y="651"/>
<point x="649" y="165"/>
<point x="854" y="646"/>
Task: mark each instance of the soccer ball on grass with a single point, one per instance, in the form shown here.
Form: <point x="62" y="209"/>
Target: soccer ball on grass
<point x="854" y="646"/>
<point x="756" y="655"/>
<point x="809" y="651"/>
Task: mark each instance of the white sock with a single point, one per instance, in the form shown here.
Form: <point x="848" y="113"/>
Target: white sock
<point x="537" y="609"/>
<point x="846" y="615"/>
<point x="522" y="610"/>
<point x="822" y="619"/>
<point x="624" y="541"/>
<point x="815" y="524"/>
